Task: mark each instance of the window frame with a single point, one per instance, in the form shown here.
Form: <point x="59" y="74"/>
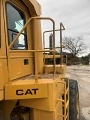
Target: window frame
<point x="25" y="34"/>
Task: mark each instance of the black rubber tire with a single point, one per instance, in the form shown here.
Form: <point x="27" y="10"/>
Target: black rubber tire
<point x="73" y="99"/>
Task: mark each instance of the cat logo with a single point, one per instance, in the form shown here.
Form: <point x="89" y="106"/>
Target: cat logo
<point x="26" y="92"/>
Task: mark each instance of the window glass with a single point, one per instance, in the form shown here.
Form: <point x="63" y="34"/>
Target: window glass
<point x="15" y="21"/>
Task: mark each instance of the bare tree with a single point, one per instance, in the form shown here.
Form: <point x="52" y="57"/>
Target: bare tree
<point x="74" y="45"/>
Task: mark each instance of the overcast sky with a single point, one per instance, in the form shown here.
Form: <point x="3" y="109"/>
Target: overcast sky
<point x="74" y="14"/>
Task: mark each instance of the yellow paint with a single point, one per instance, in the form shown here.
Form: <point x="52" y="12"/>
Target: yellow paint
<point x="23" y="74"/>
<point x="26" y="91"/>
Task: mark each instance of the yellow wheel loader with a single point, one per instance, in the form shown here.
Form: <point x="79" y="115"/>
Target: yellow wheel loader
<point x="30" y="89"/>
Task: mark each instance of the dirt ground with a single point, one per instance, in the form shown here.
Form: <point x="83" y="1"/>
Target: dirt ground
<point x="82" y="75"/>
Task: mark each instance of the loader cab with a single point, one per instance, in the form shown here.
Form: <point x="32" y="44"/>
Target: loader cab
<point x="17" y="61"/>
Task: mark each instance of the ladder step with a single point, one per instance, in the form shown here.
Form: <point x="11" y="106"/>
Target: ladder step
<point x="60" y="114"/>
<point x="60" y="100"/>
<point x="67" y="115"/>
<point x="67" y="104"/>
<point x="67" y="90"/>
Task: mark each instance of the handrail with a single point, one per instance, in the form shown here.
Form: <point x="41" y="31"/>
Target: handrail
<point x="45" y="18"/>
<point x="61" y="46"/>
<point x="61" y="26"/>
<point x="16" y="38"/>
<point x="52" y="30"/>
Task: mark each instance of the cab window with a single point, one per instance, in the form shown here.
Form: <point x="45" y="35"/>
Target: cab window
<point x="15" y="21"/>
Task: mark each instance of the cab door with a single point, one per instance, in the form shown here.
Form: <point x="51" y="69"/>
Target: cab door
<point x="20" y="61"/>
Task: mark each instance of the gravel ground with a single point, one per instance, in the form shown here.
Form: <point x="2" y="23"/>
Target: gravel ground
<point x="82" y="75"/>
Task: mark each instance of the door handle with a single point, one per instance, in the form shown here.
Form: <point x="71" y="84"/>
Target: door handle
<point x="26" y="61"/>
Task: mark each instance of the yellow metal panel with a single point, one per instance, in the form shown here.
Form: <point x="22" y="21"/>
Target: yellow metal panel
<point x="2" y="33"/>
<point x="25" y="91"/>
<point x="59" y="111"/>
<point x="56" y="114"/>
<point x="51" y="56"/>
<point x="61" y="69"/>
<point x="18" y="69"/>
<point x="49" y="104"/>
<point x="33" y="6"/>
<point x="21" y="54"/>
<point x="43" y="104"/>
<point x="43" y="115"/>
<point x="49" y="69"/>
<point x="3" y="73"/>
